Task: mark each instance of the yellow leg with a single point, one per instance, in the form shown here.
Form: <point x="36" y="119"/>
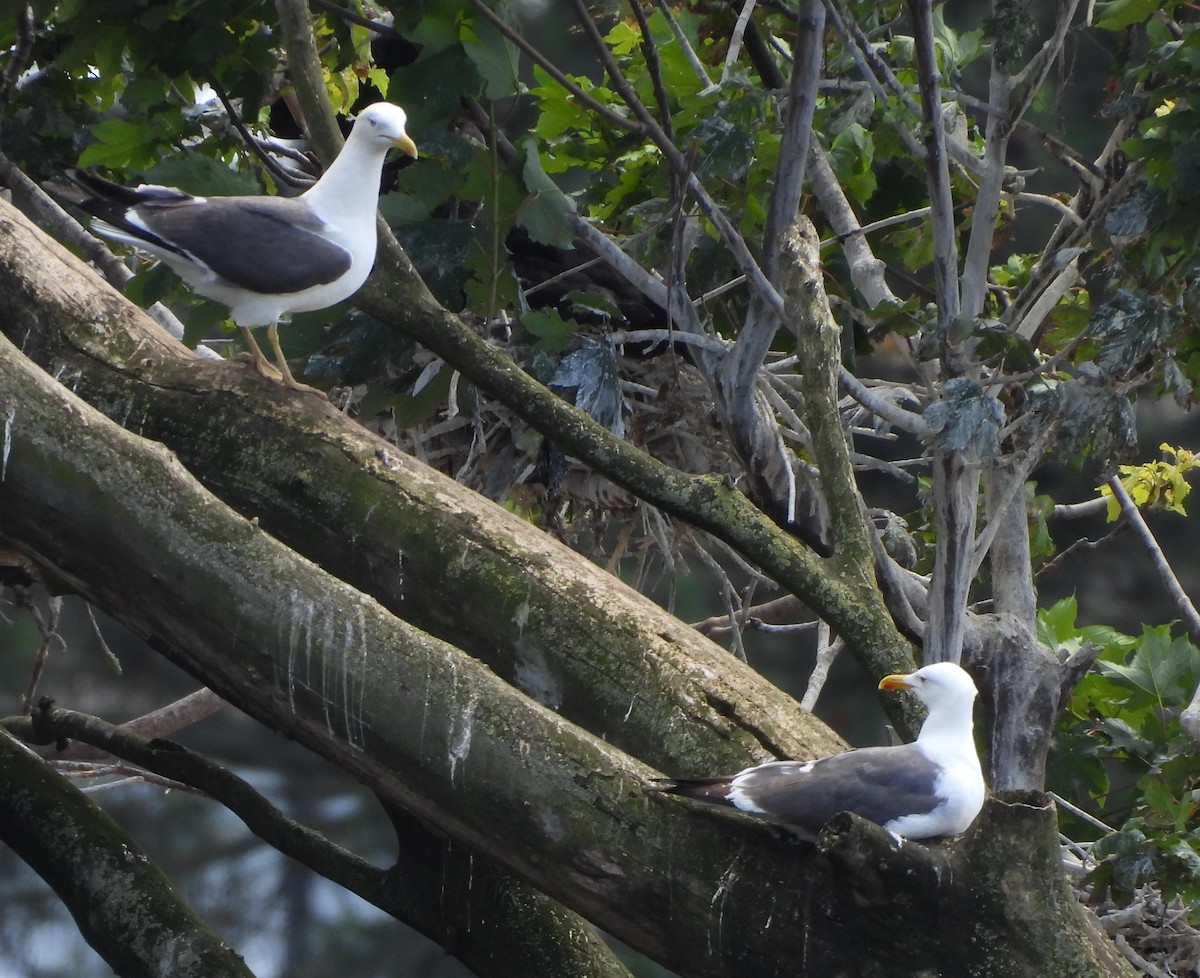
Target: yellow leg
<point x="281" y="363"/>
<point x="265" y="367"/>
<point x="261" y="363"/>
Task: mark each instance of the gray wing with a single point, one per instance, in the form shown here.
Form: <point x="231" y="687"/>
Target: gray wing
<point x="270" y="245"/>
<point x="878" y="783"/>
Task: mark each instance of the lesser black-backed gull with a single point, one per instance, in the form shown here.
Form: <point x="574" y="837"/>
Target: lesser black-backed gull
<point x="929" y="788"/>
<point x="264" y="257"/>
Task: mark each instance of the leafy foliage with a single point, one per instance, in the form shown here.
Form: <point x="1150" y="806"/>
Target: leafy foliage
<point x="1121" y="749"/>
<point x="1155" y="485"/>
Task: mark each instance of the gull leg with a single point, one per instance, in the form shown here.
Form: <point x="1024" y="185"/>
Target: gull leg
<point x="281" y="362"/>
<point x="261" y="363"/>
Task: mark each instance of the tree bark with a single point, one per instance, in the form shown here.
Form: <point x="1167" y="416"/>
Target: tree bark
<point x="124" y="906"/>
<point x="489" y="919"/>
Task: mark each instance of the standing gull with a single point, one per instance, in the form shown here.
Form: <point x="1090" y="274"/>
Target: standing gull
<point x="264" y="257"/>
<point x="929" y="788"/>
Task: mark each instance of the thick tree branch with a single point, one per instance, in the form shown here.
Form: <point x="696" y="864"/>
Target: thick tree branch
<point x="818" y="346"/>
<point x="423" y="545"/>
<point x="494" y="929"/>
<point x="955" y="499"/>
<point x="866" y="271"/>
<point x="737" y="372"/>
<point x="125" y="908"/>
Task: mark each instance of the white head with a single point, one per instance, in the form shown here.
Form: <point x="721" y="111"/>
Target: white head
<point x="383" y="124"/>
<point x="937" y="686"/>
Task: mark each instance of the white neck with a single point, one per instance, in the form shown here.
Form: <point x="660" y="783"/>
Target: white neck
<point x="349" y="189"/>
<point x="948" y="725"/>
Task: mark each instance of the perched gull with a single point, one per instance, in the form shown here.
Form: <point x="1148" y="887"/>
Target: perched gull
<point x="931" y="787"/>
<point x="264" y="257"/>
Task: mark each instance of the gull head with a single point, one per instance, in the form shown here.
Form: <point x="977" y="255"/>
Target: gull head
<point x="383" y="123"/>
<point x="935" y="685"/>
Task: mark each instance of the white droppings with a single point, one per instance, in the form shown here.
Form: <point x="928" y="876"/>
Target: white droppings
<point x="629" y="712"/>
<point x="521" y="615"/>
<point x="328" y="666"/>
<point x="728" y="878"/>
<point x="353" y="681"/>
<point x="7" y="447"/>
<point x="461" y="728"/>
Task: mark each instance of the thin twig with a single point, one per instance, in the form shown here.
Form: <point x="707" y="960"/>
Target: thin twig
<point x="654" y="70"/>
<point x="1183" y="604"/>
<point x="827" y="651"/>
<point x="48" y="629"/>
<point x="1080" y="813"/>
<point x="543" y="62"/>
<point x="735" y="39"/>
<point x="278" y="173"/>
<point x="684" y="44"/>
<point x="712" y="344"/>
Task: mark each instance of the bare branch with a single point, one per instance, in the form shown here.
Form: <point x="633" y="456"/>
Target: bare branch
<point x="945" y="247"/>
<point x="548" y="66"/>
<point x="163" y="722"/>
<point x="1075" y="511"/>
<point x="684" y="44"/>
<point x="827" y="651"/>
<point x="866" y="271"/>
<point x="123" y="904"/>
<point x="880" y="406"/>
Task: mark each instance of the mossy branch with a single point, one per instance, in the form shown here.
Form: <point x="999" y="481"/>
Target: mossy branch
<point x="125" y="907"/>
<point x="478" y="926"/>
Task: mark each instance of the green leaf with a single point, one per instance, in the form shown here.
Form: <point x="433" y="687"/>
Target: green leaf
<point x="439" y="251"/>
<point x="495" y="58"/>
<point x="1119" y="14"/>
<point x="122" y="144"/>
<point x="545" y="212"/>
<point x="852" y="155"/>
<point x="553" y="332"/>
<point x="1056" y="625"/>
<point x="1163" y="668"/>
<point x="724" y="150"/>
<point x="202" y="175"/>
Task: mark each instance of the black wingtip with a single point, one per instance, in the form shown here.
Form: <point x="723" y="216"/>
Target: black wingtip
<point x="702" y="789"/>
<point x="100" y="188"/>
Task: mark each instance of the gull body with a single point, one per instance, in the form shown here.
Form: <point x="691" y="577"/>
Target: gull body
<point x="932" y="787"/>
<point x="264" y="257"/>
